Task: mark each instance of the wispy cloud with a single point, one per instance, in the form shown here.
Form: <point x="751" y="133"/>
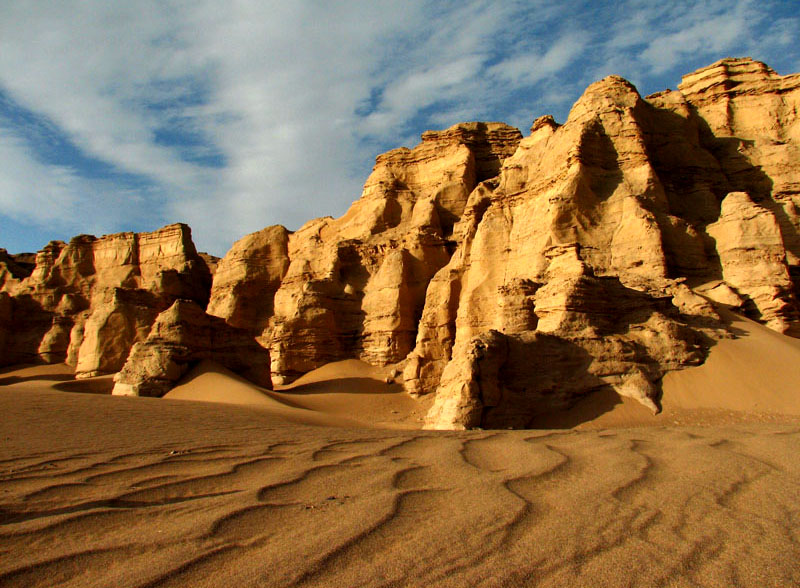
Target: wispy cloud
<point x="655" y="38"/>
<point x="530" y="68"/>
<point x="709" y="28"/>
<point x="232" y="116"/>
<point x="57" y="197"/>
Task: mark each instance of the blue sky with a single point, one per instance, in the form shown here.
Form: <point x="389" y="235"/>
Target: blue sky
<point x="235" y="115"/>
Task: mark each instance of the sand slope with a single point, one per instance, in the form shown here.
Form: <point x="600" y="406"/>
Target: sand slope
<point x="752" y="378"/>
<point x="211" y="382"/>
<point x="347" y="393"/>
<point x="359" y="391"/>
<point x="759" y="371"/>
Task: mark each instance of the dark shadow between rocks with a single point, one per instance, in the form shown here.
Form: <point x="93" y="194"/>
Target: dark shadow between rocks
<point x="98" y="385"/>
<point x="585" y="409"/>
<point x="600" y="157"/>
<point x="541" y="375"/>
<point x="343" y="386"/>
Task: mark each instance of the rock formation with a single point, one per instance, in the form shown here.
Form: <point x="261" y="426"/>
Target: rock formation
<point x="247" y="278"/>
<point x="591" y="235"/>
<point x="508" y="276"/>
<point x="753" y="259"/>
<point x="88" y="301"/>
<point x="355" y="286"/>
<point x="181" y="337"/>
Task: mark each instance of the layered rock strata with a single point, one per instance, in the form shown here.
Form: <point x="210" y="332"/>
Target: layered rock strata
<point x="591" y="235"/>
<point x="355" y="286"/>
<point x="753" y="259"/>
<point x="508" y="276"/>
<point x="88" y="301"/>
<point x="569" y="262"/>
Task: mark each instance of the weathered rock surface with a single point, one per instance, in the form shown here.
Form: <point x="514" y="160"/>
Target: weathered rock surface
<point x="355" y="286"/>
<point x="88" y="301"/>
<point x="508" y="276"/>
<point x="246" y="280"/>
<point x="588" y="236"/>
<point x="753" y="258"/>
<point x="13" y="268"/>
<point x="212" y="261"/>
<point x="181" y="337"/>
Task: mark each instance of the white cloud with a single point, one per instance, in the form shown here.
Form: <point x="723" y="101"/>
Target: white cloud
<point x="282" y="82"/>
<point x="649" y="39"/>
<point x="530" y="68"/>
<point x="55" y="197"/>
<point x="86" y="68"/>
<point x="407" y="95"/>
<point x="295" y="98"/>
<point x="701" y="31"/>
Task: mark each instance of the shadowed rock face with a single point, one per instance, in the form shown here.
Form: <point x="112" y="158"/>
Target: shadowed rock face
<point x="181" y="337"/>
<point x="508" y="276"/>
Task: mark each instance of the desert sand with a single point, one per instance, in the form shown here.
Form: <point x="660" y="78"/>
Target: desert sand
<point x="330" y="482"/>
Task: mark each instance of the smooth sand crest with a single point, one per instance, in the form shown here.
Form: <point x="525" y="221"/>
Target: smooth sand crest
<point x="358" y="390"/>
<point x="212" y="383"/>
<point x="347" y="393"/>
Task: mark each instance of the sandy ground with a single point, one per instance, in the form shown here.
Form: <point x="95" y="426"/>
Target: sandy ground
<point x="327" y="483"/>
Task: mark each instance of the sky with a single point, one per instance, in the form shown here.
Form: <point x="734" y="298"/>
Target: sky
<point x="238" y="114"/>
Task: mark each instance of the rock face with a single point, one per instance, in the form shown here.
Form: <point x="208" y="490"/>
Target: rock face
<point x="13" y="268"/>
<point x="753" y="258"/>
<point x="355" y="286"/>
<point x="247" y="278"/>
<point x="182" y="336"/>
<point x="508" y="276"/>
<point x="585" y="247"/>
<point x="88" y="301"/>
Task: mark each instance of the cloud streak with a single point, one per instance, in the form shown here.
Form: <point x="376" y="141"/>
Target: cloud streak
<point x="238" y="115"/>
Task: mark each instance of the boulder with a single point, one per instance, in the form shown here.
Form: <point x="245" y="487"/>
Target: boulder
<point x="181" y="337"/>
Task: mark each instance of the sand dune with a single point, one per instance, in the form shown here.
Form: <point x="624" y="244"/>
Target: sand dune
<point x="211" y="382"/>
<point x="359" y="391"/>
<point x="347" y="393"/>
<point x="759" y="372"/>
<point x="752" y="378"/>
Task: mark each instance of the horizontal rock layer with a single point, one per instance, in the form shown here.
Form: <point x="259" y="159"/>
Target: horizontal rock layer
<point x="88" y="301"/>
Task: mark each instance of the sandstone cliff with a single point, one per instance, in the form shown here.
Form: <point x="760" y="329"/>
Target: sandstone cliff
<point x="88" y="301"/>
<point x="508" y="276"/>
<point x="594" y="231"/>
<point x="355" y="286"/>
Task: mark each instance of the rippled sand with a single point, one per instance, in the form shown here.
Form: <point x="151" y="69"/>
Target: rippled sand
<point x="101" y="491"/>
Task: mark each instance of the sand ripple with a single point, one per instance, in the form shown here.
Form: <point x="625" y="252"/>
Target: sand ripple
<point x="296" y="506"/>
